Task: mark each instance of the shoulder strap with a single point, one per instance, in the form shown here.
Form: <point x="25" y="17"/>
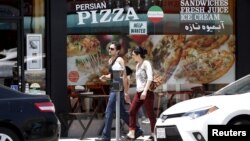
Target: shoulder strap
<point x="113" y="61"/>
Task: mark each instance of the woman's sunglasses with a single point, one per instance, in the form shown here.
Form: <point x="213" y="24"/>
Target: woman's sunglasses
<point x="110" y="48"/>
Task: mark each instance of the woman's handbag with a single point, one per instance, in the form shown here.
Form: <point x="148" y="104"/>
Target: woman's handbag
<point x="157" y="81"/>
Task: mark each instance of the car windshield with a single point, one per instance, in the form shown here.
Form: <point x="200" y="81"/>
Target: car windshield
<point x="237" y="87"/>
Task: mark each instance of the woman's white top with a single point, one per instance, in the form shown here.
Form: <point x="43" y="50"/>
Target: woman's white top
<point x="143" y="73"/>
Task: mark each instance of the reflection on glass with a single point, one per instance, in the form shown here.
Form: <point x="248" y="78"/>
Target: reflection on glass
<point x="8" y="52"/>
<point x="240" y="86"/>
<point x="9" y="8"/>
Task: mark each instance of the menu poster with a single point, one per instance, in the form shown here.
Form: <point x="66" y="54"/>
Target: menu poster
<point x="34" y="51"/>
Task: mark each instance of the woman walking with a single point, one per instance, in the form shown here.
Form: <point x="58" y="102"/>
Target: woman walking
<point x="144" y="77"/>
<point x="114" y="50"/>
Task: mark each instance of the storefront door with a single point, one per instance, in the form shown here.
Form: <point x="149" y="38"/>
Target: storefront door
<point x="10" y="53"/>
<point x="11" y="44"/>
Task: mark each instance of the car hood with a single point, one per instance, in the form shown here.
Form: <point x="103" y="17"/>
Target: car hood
<point x="205" y="101"/>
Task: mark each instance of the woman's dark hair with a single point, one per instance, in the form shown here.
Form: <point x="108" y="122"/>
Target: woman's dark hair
<point x="140" y="50"/>
<point x="129" y="71"/>
<point x="117" y="45"/>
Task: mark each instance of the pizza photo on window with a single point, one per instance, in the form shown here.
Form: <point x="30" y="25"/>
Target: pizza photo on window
<point x="206" y="58"/>
<point x="167" y="53"/>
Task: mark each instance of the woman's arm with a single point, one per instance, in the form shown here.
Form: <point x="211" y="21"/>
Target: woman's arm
<point x="124" y="75"/>
<point x="149" y="73"/>
<point x="105" y="77"/>
<point x="126" y="95"/>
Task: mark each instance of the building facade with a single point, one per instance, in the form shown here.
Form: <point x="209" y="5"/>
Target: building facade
<point x="59" y="44"/>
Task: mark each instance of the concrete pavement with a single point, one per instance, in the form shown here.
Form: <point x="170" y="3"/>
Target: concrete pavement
<point x="75" y="131"/>
<point x="145" y="138"/>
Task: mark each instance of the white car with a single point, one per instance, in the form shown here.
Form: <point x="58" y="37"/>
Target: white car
<point x="189" y="120"/>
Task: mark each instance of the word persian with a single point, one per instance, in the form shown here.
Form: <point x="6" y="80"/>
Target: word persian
<point x="90" y="6"/>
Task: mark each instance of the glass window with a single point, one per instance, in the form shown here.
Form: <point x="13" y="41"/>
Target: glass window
<point x="10" y="8"/>
<point x="191" y="44"/>
<point x="35" y="54"/>
<point x="8" y="52"/>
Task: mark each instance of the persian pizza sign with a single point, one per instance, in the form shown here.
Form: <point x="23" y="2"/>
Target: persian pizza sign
<point x="98" y="12"/>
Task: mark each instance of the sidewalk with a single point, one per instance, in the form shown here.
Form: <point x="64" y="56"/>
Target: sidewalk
<point x="145" y="138"/>
<point x="75" y="131"/>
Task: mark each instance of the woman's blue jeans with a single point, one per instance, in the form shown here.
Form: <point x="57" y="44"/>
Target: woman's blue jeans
<point x="110" y="110"/>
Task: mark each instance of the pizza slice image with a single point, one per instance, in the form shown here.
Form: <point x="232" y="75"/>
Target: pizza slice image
<point x="204" y="67"/>
<point x="206" y="58"/>
<point x="231" y="44"/>
<point x="167" y="53"/>
<point x="206" y="42"/>
<point x="81" y="45"/>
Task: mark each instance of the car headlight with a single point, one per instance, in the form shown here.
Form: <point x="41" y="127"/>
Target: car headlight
<point x="163" y="117"/>
<point x="200" y="112"/>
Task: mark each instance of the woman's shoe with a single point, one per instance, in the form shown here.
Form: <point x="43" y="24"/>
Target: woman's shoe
<point x="102" y="139"/>
<point x="128" y="138"/>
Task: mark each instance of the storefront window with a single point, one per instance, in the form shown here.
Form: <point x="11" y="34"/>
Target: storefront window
<point x="9" y="8"/>
<point x="189" y="42"/>
<point x="9" y="31"/>
<point x="34" y="29"/>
